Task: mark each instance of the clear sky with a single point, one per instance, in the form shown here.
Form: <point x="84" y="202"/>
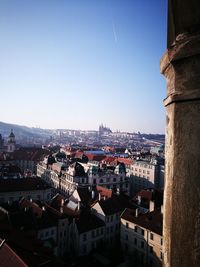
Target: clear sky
<point x="75" y="64"/>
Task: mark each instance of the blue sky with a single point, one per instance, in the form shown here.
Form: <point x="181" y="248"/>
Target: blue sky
<point x="76" y="64"/>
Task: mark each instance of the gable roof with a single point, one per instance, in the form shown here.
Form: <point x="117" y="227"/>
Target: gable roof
<point x="24" y="184"/>
<point x="87" y="222"/>
<point x="104" y="192"/>
<point x="8" y="257"/>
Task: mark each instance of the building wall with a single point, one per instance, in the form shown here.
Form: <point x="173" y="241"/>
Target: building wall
<point x="143" y="175"/>
<point x="137" y="241"/>
<point x="112" y="224"/>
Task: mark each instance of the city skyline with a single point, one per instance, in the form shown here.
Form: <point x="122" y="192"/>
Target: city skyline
<point x="74" y="65"/>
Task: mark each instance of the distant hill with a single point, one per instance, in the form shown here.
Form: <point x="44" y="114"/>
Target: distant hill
<point x="22" y="131"/>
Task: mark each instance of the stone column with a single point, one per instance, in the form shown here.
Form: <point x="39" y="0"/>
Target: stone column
<point x="181" y="68"/>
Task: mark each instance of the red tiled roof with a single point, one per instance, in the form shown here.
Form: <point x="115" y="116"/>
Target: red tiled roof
<point x="8" y="257"/>
<point x="24" y="184"/>
<point x="147" y="194"/>
<point x="25" y="203"/>
<point x="33" y="154"/>
<point x="57" y="203"/>
<point x="125" y="161"/>
<point x="92" y="157"/>
<point x="109" y="159"/>
<point x="104" y="192"/>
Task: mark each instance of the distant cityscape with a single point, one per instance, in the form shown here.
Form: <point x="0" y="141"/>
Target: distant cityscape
<point x="79" y="198"/>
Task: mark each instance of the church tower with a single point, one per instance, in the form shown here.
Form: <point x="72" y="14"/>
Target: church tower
<point x="11" y="142"/>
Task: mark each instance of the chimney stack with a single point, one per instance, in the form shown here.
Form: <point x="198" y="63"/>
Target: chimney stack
<point x="151" y="205"/>
<point x="93" y="194"/>
<point x="136" y="212"/>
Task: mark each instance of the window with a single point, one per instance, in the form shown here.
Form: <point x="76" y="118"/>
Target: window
<point x="93" y="245"/>
<point x="52" y="232"/>
<point x="111" y="229"/>
<point x="161" y="241"/>
<point x="84" y="237"/>
<point x="151" y="236"/>
<point x="97" y="232"/>
<point x="151" y="249"/>
<point x="148" y="172"/>
<point x="126" y="225"/>
<point x="126" y="237"/>
<point x="142" y="244"/>
<point x="93" y="233"/>
<point x="142" y="232"/>
<point x="84" y="249"/>
<point x="140" y="170"/>
<point x="101" y="181"/>
<point x="135" y="241"/>
<point x="94" y="181"/>
<point x="107" y="219"/>
<point x="47" y="233"/>
<point x="111" y="218"/>
<point x="136" y="229"/>
<point x="161" y="255"/>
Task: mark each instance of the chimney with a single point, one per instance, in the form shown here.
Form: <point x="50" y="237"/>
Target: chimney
<point x="161" y="209"/>
<point x="99" y="196"/>
<point x="151" y="205"/>
<point x="93" y="194"/>
<point x="118" y="191"/>
<point x="139" y="200"/>
<point x="136" y="212"/>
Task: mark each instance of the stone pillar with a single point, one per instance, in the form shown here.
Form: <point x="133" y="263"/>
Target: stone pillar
<point x="181" y="68"/>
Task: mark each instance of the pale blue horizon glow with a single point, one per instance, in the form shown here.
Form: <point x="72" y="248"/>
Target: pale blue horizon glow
<point x="76" y="64"/>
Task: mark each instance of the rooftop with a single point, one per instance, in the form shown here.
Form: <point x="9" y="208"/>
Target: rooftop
<point x="24" y="184"/>
<point x="152" y="221"/>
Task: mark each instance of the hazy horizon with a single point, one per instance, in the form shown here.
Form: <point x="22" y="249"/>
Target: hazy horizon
<point x="79" y="129"/>
<point x="77" y="64"/>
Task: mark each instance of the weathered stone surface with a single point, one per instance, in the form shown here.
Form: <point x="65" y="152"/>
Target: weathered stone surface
<point x="182" y="185"/>
<point x="183" y="17"/>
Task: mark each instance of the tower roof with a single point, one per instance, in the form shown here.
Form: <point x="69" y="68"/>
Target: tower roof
<point x="12" y="134"/>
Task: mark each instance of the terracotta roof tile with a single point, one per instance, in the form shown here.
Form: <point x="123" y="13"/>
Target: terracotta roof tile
<point x="8" y="257"/>
<point x="24" y="184"/>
